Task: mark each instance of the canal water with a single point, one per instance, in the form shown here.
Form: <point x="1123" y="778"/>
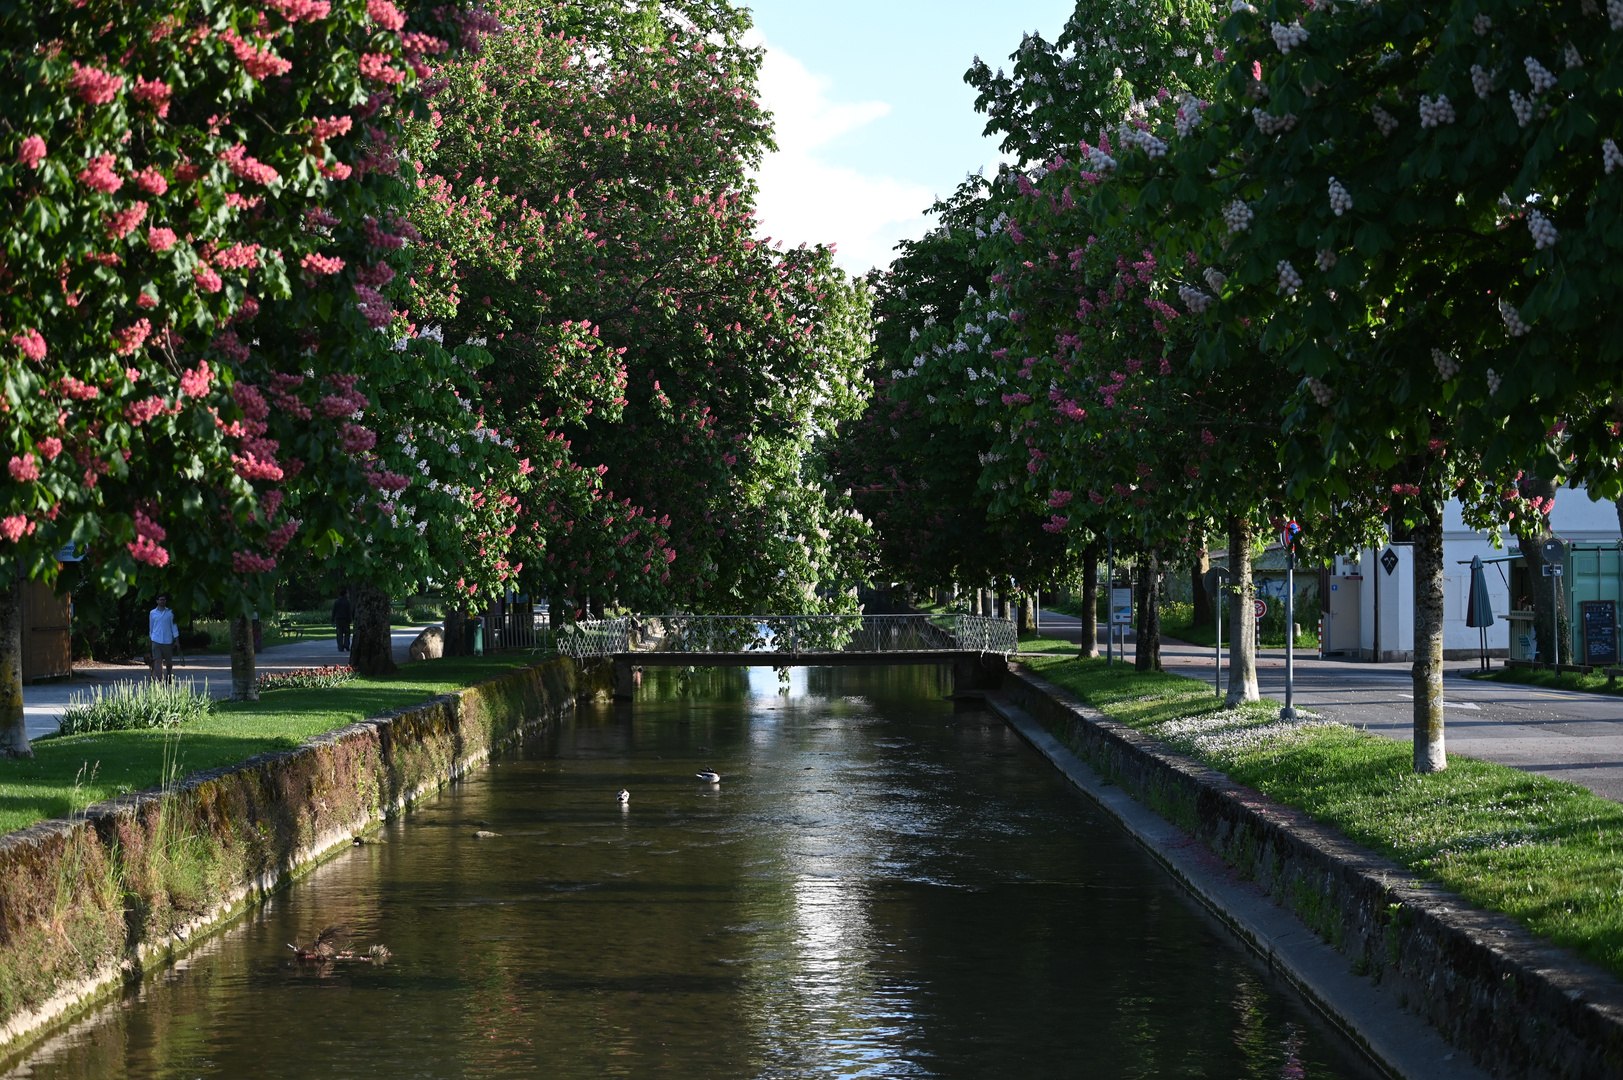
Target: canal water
<point x="881" y="885"/>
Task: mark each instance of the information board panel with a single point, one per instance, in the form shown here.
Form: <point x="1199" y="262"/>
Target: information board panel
<point x="1121" y="607"/>
<point x="1600" y="632"/>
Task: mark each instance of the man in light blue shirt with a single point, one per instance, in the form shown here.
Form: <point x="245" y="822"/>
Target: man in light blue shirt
<point x="164" y="637"/>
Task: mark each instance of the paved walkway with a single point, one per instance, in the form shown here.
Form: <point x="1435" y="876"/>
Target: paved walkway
<point x="1562" y="734"/>
<point x="43" y="704"/>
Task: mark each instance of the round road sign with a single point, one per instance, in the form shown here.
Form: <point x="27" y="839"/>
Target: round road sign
<point x="1260" y="607"/>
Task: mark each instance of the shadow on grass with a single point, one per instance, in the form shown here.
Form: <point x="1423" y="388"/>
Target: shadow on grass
<point x="69" y="773"/>
<point x="1564" y="680"/>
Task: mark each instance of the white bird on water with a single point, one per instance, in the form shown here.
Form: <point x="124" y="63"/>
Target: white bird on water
<point x="709" y="776"/>
<point x="624" y="796"/>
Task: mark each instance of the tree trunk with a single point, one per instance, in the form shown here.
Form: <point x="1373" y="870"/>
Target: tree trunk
<point x="456" y="621"/>
<point x="1429" y="753"/>
<point x="1023" y="623"/>
<point x="244" y="679"/>
<point x="1090" y="601"/>
<point x="1147" y="650"/>
<point x="373" y="651"/>
<point x="1202" y="613"/>
<point x="1242" y="620"/>
<point x="13" y="724"/>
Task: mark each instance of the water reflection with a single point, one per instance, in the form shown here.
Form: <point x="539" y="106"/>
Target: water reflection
<point x="880" y="886"/>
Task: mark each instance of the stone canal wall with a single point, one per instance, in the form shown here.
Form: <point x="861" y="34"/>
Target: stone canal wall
<point x="1517" y="1006"/>
<point x="89" y="901"/>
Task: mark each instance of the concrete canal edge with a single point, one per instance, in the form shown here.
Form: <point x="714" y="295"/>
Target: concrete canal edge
<point x="89" y="902"/>
<point x="1398" y="964"/>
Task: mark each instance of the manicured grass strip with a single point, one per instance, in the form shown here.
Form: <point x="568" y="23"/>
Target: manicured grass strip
<point x="1565" y="680"/>
<point x="1548" y="853"/>
<point x="1036" y="643"/>
<point x="71" y="772"/>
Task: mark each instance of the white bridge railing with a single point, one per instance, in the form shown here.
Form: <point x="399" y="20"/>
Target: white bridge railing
<point x="792" y="635"/>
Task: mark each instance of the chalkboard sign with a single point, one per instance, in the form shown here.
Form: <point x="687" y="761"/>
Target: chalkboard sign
<point x="1600" y="632"/>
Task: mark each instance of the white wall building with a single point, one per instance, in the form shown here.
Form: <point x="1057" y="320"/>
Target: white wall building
<point x="1371" y="594"/>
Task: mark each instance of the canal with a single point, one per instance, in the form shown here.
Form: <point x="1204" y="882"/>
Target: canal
<point x="882" y="885"/>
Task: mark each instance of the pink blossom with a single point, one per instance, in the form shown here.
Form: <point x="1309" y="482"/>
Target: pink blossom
<point x="31" y="343"/>
<point x="1059" y="499"/>
<point x="77" y="390"/>
<point x="195" y="383"/>
<point x="15" y="527"/>
<point x="278" y="540"/>
<point x="333" y="126"/>
<point x="317" y="218"/>
<point x="146" y="527"/>
<point x="246" y="562"/>
<point x="356" y="439"/>
<point x="24" y="468"/>
<point x="259" y="63"/>
<point x="1055" y="524"/>
<point x="321" y="264"/>
<point x="376" y="276"/>
<point x="132" y="337"/>
<point x="1207" y="437"/>
<point x="160" y="239"/>
<point x="248" y="168"/>
<point x="385" y="14"/>
<point x="50" y="446"/>
<point x="376" y="66"/>
<point x="250" y="401"/>
<point x="388" y="481"/>
<point x="207" y="279"/>
<point x="237" y="257"/>
<point x="251" y="467"/>
<point x="122" y="223"/>
<point x="269" y="503"/>
<point x="1406" y="489"/>
<point x="301" y="10"/>
<point x="1096" y="498"/>
<point x="336" y="171"/>
<point x="375" y="306"/>
<point x="94" y="86"/>
<point x="142" y="549"/>
<point x="139" y="412"/>
<point x="151" y="181"/>
<point x="98" y="175"/>
<point x="31" y="152"/>
<point x="415" y="44"/>
<point x="152" y="92"/>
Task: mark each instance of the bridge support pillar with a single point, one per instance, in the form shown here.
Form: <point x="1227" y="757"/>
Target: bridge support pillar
<point x="624" y="689"/>
<point x="980" y="671"/>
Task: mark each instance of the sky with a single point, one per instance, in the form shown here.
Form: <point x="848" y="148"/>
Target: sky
<point x="873" y="118"/>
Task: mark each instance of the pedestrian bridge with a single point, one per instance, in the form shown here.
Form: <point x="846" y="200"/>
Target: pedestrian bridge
<point x="976" y="646"/>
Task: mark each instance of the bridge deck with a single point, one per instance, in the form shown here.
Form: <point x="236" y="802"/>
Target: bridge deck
<point x="762" y="658"/>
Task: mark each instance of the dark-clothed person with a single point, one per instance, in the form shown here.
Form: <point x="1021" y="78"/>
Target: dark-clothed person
<point x="343" y="613"/>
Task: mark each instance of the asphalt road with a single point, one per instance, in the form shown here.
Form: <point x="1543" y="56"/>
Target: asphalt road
<point x="1562" y="734"/>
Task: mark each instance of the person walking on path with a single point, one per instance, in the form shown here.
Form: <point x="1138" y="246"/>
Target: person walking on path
<point x="165" y="636"/>
<point x="343" y="613"/>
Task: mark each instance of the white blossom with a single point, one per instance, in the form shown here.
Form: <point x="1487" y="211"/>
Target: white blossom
<point x="1544" y="234"/>
<point x="1193" y="299"/>
<point x="1481" y="82"/>
<point x="1288" y="37"/>
<point x="1340" y="201"/>
<point x="1237" y="216"/>
<point x="1188" y="118"/>
<point x="1289" y="279"/>
<point x="1326" y="259"/>
<point x="1513" y="319"/>
<point x="1572" y="57"/>
<point x="1482" y="24"/>
<point x="1214" y="279"/>
<point x="1321" y="393"/>
<point x="1447" y="366"/>
<point x="1434" y="112"/>
<point x="1614" y="13"/>
<point x="1539" y="75"/>
<point x="1241" y="5"/>
<point x="1101" y="161"/>
<point x="913" y="334"/>
<point x="1522" y="107"/>
<point x="918" y="361"/>
<point x="1610" y="156"/>
<point x="1383" y="120"/>
<point x="1269" y="124"/>
<point x="1495" y="380"/>
<point x="1133" y="136"/>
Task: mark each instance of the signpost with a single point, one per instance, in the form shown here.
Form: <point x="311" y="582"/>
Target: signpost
<point x="1287" y="540"/>
<point x="1214" y="580"/>
<point x="1110" y="589"/>
<point x="1555" y="561"/>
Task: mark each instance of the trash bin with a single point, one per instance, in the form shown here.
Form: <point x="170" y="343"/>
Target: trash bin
<point x="474" y="636"/>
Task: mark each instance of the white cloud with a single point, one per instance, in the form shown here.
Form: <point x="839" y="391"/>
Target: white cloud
<point x="804" y="197"/>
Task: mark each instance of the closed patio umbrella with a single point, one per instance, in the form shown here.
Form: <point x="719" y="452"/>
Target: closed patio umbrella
<point x="1479" y="612"/>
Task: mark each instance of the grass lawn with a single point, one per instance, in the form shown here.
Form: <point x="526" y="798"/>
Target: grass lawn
<point x="1035" y="642"/>
<point x="73" y="771"/>
<point x="1566" y="680"/>
<point x="1545" y="852"/>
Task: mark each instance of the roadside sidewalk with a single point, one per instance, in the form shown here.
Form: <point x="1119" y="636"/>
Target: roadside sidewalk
<point x="43" y="704"/>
